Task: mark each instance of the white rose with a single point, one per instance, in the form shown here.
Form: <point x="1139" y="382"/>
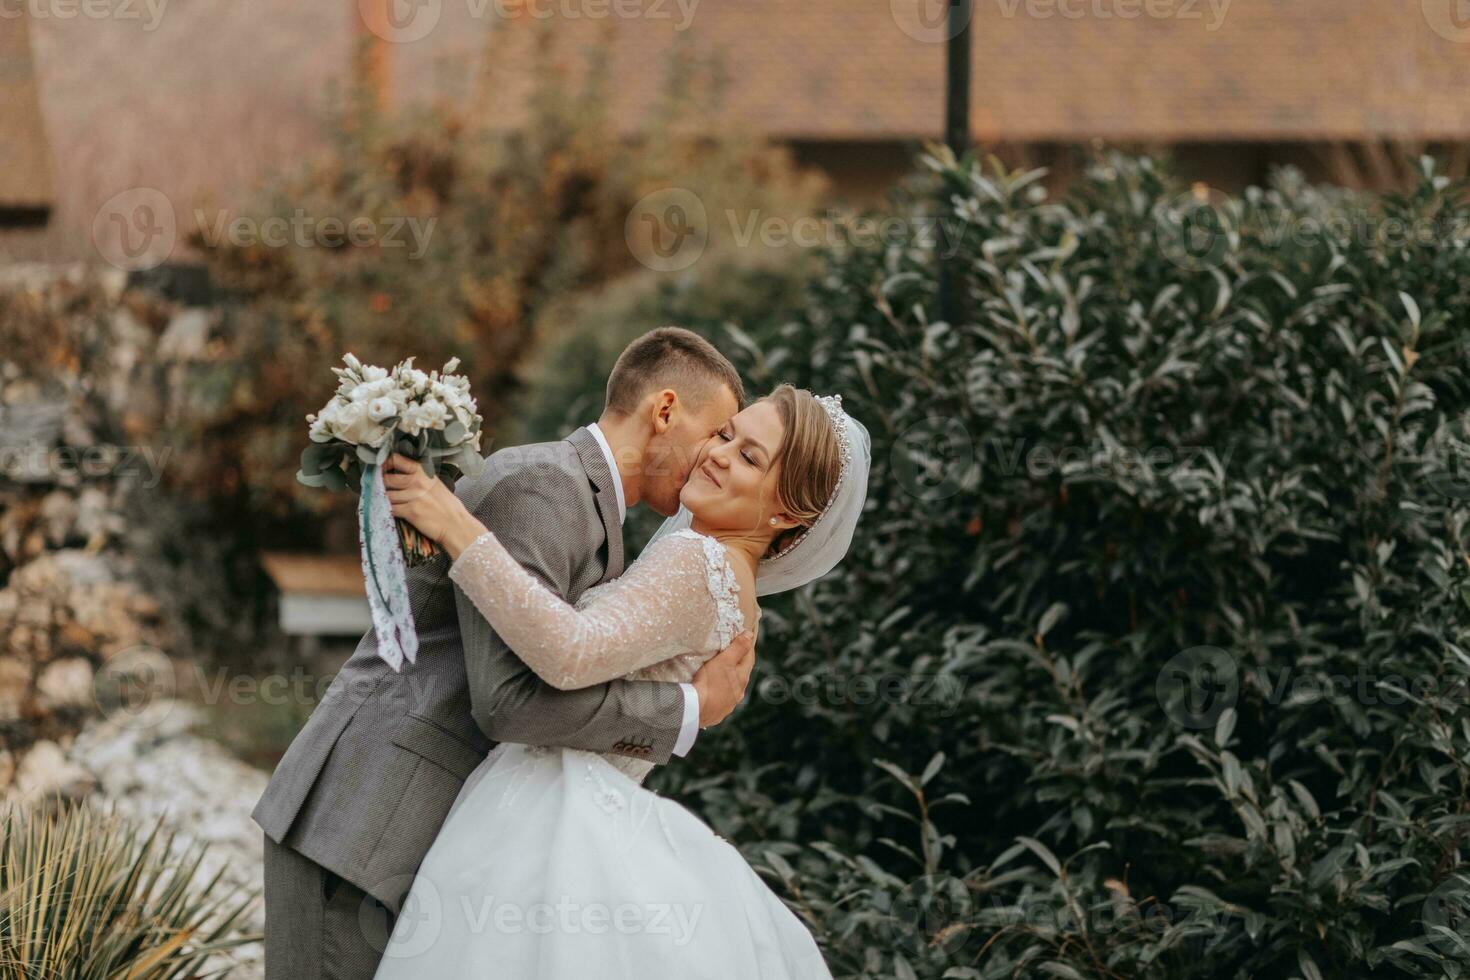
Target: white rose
<point x="369" y="390"/>
<point x="374" y="373"/>
<point x="353" y="424"/>
<point x="426" y="415"/>
<point x="411" y="421"/>
<point x="382" y="408"/>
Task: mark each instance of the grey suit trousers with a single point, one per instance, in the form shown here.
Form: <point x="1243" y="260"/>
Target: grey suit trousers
<point x="318" y="924"/>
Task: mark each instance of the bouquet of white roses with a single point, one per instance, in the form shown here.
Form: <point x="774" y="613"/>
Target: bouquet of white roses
<point x="427" y="416"/>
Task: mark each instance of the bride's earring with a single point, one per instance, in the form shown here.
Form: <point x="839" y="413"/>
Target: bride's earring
<point x="773" y="522"/>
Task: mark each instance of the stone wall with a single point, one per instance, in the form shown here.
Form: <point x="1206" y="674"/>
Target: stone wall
<point x="89" y="373"/>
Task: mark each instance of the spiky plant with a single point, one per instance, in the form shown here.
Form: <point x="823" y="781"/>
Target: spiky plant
<point x="88" y="895"/>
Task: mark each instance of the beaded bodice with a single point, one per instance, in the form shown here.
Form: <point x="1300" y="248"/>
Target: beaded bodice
<point x="669" y="612"/>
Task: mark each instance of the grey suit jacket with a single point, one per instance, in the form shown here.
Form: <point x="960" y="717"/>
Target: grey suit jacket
<point x="368" y="781"/>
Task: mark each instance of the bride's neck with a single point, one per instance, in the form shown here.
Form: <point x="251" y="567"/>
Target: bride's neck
<point x="750" y="546"/>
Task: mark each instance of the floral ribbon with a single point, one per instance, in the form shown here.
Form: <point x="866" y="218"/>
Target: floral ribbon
<point x="385" y="574"/>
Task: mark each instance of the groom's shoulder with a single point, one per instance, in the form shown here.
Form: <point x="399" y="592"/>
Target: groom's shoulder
<point x="552" y="459"/>
<point x="547" y="468"/>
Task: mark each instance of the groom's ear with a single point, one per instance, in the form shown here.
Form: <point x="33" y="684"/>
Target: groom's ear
<point x="661" y="410"/>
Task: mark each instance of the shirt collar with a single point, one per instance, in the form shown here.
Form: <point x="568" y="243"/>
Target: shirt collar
<point x="612" y="465"/>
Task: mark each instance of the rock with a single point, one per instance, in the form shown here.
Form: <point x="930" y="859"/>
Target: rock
<point x="97" y="519"/>
<point x="46" y="772"/>
<point x="59" y="512"/>
<point x="66" y="684"/>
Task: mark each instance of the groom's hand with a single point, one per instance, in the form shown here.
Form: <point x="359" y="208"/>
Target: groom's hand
<point x="721" y="682"/>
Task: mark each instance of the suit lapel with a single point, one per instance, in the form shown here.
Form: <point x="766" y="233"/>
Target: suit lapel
<point x="601" y="478"/>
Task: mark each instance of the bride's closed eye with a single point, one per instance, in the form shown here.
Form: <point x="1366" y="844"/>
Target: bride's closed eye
<point x="726" y="436"/>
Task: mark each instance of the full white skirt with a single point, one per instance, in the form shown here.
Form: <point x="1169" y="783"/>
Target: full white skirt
<point x="555" y="865"/>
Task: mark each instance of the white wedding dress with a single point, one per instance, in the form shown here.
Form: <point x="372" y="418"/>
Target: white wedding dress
<point x="556" y="864"/>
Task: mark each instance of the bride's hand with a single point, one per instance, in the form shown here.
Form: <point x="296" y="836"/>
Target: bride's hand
<point x="428" y="504"/>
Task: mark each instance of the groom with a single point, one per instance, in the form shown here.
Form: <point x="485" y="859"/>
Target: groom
<point x="366" y="785"/>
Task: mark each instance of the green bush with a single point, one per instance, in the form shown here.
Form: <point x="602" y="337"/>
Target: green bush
<point x="1150" y="657"/>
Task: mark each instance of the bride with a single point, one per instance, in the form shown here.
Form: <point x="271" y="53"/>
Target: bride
<point x="557" y="863"/>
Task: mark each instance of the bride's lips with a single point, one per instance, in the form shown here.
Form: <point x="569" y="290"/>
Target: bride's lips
<point x="709" y="474"/>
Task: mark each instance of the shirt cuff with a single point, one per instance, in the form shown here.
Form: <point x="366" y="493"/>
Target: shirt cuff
<point x="689" y="730"/>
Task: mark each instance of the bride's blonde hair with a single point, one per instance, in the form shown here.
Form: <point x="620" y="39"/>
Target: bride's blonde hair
<point x="810" y="459"/>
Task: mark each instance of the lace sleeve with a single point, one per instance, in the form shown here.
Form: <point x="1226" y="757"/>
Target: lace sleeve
<point x="661" y="606"/>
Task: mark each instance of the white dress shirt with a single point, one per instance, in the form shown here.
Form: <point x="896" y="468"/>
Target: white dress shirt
<point x="689" y="730"/>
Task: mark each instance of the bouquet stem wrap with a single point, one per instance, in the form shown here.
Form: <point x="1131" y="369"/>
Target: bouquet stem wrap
<point x="417" y="549"/>
<point x="385" y="573"/>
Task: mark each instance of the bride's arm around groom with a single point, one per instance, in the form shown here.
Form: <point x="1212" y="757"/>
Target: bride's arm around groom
<point x="540" y="512"/>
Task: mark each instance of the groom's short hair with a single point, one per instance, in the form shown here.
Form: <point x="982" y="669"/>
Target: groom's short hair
<point x="670" y="357"/>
